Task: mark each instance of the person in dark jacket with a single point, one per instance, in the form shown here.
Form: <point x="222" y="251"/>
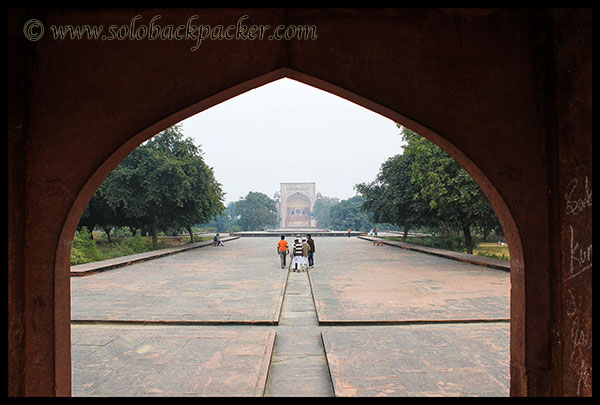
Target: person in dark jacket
<point x="311" y="251"/>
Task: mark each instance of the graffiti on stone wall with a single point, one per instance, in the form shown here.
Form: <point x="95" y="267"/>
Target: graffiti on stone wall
<point x="577" y="281"/>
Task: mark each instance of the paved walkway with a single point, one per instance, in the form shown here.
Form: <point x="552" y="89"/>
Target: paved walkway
<point x="227" y="321"/>
<point x="299" y="366"/>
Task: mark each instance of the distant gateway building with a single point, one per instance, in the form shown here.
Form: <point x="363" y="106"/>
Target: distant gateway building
<point x="295" y="202"/>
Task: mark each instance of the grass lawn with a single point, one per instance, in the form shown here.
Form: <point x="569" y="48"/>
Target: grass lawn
<point x="489" y="249"/>
<point x="85" y="250"/>
<point x="492" y="249"/>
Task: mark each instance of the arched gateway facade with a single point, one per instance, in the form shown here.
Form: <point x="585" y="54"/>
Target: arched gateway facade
<point x="296" y="202"/>
<point x="506" y="92"/>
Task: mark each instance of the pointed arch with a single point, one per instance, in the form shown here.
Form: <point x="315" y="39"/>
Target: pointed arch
<point x="62" y="257"/>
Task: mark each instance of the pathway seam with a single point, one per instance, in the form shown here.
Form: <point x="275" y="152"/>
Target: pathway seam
<point x="261" y="383"/>
<point x="295" y="351"/>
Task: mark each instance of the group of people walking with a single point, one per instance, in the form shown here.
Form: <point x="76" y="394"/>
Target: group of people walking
<point x="301" y="253"/>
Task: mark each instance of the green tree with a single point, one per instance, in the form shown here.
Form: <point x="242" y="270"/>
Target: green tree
<point x="447" y="187"/>
<point x="256" y="211"/>
<point x="98" y="213"/>
<point x="163" y="183"/>
<point x="321" y="211"/>
<point x="348" y="214"/>
<point x="393" y="196"/>
<point x="225" y="221"/>
<point x="116" y="201"/>
<point x="203" y="199"/>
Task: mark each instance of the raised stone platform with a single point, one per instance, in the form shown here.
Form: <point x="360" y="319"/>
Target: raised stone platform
<point x="296" y="231"/>
<point x="359" y="282"/>
<point x="229" y="284"/>
<point x="87" y="269"/>
<point x="492" y="262"/>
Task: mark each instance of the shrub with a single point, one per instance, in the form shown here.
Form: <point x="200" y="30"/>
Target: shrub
<point x="137" y="244"/>
<point x="84" y="249"/>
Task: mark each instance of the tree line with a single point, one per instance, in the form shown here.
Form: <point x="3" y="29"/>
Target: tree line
<point x="254" y="212"/>
<point x="165" y="186"/>
<point x="425" y="187"/>
<point x="162" y="186"/>
<point x="257" y="211"/>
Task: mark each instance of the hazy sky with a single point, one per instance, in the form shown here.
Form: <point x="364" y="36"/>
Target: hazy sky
<point x="286" y="131"/>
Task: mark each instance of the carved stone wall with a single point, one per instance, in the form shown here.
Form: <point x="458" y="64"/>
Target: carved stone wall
<point x="296" y="203"/>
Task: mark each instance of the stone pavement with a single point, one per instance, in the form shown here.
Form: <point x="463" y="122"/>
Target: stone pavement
<point x="383" y="283"/>
<point x="228" y="321"/>
<point x="419" y="360"/>
<point x="206" y="285"/>
<point x="151" y="360"/>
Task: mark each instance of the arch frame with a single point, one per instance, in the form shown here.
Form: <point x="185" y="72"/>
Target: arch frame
<point x="508" y="89"/>
<point x="507" y="221"/>
<point x="84" y="195"/>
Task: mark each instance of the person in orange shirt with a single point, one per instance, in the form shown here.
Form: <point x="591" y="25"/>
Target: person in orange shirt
<point x="282" y="250"/>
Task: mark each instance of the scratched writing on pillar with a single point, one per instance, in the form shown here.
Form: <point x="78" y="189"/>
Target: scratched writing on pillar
<point x="577" y="205"/>
<point x="578" y="199"/>
<point x="580" y="257"/>
<point x="581" y="344"/>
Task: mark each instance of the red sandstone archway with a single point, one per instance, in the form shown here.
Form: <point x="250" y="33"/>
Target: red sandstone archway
<point x="69" y="227"/>
<point x="504" y="215"/>
<point x="506" y="92"/>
